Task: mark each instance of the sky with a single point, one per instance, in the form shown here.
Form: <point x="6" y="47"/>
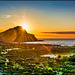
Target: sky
<point x="44" y="19"/>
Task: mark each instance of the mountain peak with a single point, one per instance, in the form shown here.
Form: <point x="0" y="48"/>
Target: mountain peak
<point x="17" y="34"/>
<point x="19" y="28"/>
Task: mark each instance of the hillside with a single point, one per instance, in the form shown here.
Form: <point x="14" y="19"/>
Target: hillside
<point x="17" y="34"/>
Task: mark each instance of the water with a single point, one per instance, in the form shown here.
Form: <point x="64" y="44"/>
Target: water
<point x="62" y="42"/>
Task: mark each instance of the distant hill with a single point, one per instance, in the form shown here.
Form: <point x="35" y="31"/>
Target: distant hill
<point x="17" y="34"/>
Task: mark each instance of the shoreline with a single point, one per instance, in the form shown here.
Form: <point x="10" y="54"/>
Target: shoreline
<point x="39" y="57"/>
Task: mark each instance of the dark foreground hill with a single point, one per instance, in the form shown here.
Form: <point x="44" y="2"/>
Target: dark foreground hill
<point x="17" y="34"/>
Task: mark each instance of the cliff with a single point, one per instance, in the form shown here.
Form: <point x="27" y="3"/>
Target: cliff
<point x="17" y="34"/>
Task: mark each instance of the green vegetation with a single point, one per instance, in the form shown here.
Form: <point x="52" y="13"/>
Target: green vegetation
<point x="24" y="65"/>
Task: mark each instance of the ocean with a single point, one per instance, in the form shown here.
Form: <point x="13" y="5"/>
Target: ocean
<point x="62" y="42"/>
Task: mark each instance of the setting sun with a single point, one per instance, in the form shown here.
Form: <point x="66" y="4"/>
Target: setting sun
<point x="24" y="26"/>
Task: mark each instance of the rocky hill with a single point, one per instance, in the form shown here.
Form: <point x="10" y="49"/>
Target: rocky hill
<point x="17" y="34"/>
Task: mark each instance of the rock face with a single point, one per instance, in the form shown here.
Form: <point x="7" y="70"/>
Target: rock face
<point x="17" y="34"/>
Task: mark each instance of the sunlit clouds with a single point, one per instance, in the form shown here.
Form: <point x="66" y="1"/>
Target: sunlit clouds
<point x="7" y="16"/>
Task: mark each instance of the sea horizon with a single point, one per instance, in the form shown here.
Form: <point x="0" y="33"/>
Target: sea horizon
<point x="61" y="42"/>
<point x="56" y="38"/>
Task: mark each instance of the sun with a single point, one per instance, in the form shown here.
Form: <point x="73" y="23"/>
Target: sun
<point x="24" y="26"/>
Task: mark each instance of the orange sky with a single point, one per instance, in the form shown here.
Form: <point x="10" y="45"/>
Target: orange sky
<point x="39" y="17"/>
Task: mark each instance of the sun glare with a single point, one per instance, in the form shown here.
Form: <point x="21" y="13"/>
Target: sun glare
<point x="24" y="26"/>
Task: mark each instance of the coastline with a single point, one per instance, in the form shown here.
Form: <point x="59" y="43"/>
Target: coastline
<point x="47" y="57"/>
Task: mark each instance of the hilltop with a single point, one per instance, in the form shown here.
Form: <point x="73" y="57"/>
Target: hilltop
<point x="17" y="34"/>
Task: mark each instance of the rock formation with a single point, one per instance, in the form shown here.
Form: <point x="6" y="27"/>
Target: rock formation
<point x="17" y="34"/>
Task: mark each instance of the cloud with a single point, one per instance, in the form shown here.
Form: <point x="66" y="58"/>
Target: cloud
<point x="67" y="32"/>
<point x="7" y="16"/>
<point x="45" y="35"/>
